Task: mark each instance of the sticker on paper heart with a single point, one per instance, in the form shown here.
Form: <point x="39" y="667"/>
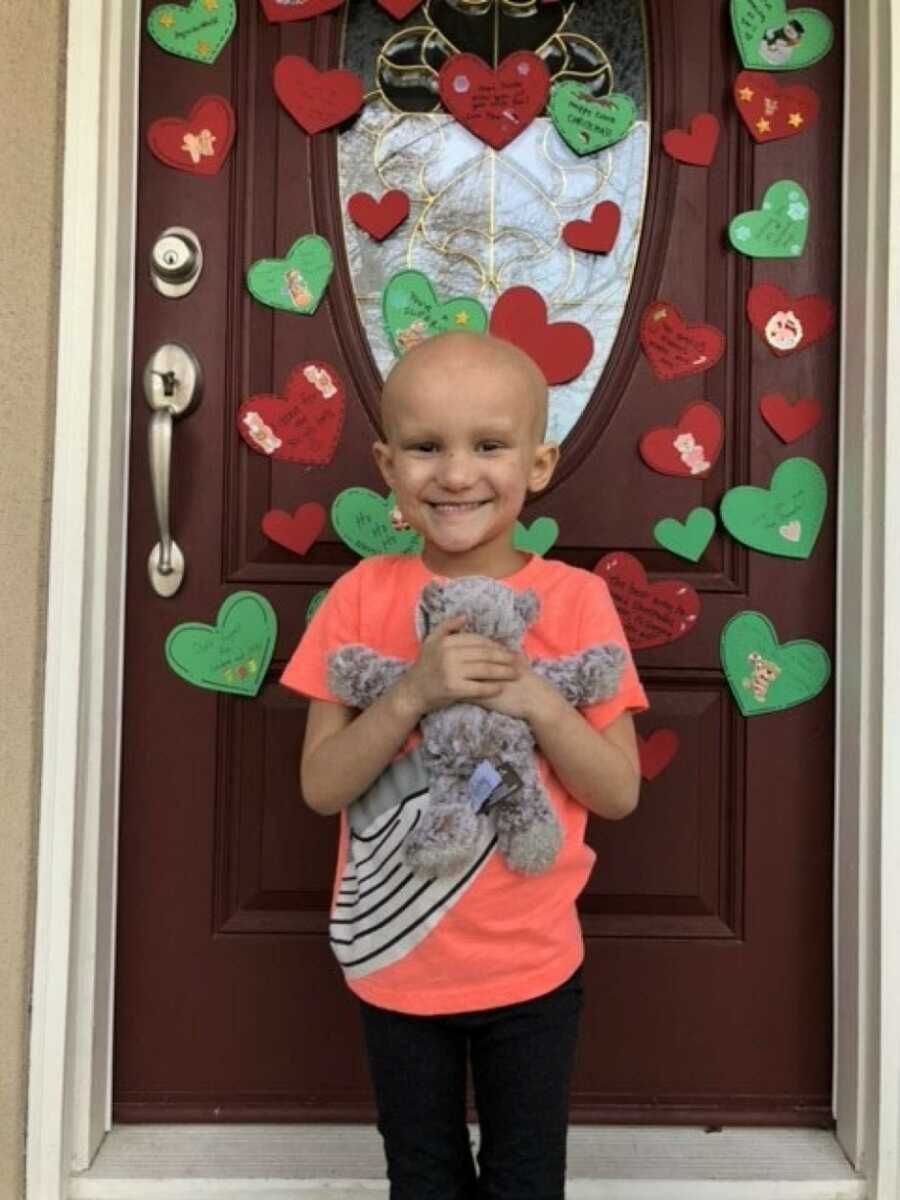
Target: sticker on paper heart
<point x="773" y="37"/>
<point x="362" y="520"/>
<point x="412" y="312"/>
<point x="378" y="218"/>
<point x="297" y="282"/>
<point x="784" y="518"/>
<point x="764" y="675"/>
<point x="690" y="538"/>
<point x="197" y="31"/>
<point x="790" y="421"/>
<point x="494" y="105"/>
<point x="297" y="530"/>
<point x="688" y="449"/>
<point x="652" y="614"/>
<point x="231" y="656"/>
<point x="198" y="144"/>
<point x="562" y="350"/>
<point x="296" y="10"/>
<point x="536" y="538"/>
<point x="399" y="8"/>
<point x="302" y="426"/>
<point x="788" y="323"/>
<point x="315" y="604"/>
<point x="588" y="123"/>
<point x="697" y="145"/>
<point x="779" y="228"/>
<point x="674" y="348"/>
<point x="598" y="235"/>
<point x="657" y="751"/>
<point x="771" y="111"/>
<point x="316" y="100"/>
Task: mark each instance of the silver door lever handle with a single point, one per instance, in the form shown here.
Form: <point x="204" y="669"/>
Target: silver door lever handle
<point x="172" y="385"/>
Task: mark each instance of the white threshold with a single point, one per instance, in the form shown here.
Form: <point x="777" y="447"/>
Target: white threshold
<point x="345" y="1162"/>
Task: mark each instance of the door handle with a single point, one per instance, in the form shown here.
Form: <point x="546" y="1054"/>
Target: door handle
<point x="173" y="382"/>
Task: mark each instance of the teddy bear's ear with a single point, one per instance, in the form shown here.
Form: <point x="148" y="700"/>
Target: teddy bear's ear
<point x="528" y="605"/>
<point x="431" y="595"/>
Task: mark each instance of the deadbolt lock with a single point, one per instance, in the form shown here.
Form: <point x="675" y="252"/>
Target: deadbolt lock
<point x="176" y="261"/>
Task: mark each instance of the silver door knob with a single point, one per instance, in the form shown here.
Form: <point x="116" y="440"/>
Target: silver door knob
<point x="176" y="261"/>
<point x="172" y="385"/>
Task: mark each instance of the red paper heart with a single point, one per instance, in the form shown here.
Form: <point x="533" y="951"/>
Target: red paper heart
<point x="296" y="10"/>
<point x="562" y="350"/>
<point x="657" y="751"/>
<point x="297" y="530"/>
<point x="305" y="422"/>
<point x="378" y="217"/>
<point x="698" y="435"/>
<point x="771" y="111"/>
<point x="790" y="421"/>
<point x="315" y="99"/>
<point x="788" y="323"/>
<point x="495" y="105"/>
<point x="677" y="349"/>
<point x="399" y="8"/>
<point x="652" y="614"/>
<point x="697" y="147"/>
<point x="598" y="235"/>
<point x="199" y="144"/>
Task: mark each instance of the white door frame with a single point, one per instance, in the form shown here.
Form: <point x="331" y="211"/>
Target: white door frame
<point x="70" y="1062"/>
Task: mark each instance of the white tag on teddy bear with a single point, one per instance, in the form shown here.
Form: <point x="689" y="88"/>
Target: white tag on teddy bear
<point x="483" y="780"/>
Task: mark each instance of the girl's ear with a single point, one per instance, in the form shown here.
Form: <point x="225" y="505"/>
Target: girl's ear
<point x="546" y="456"/>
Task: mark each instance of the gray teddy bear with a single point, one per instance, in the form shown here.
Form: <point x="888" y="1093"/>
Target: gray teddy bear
<point x="458" y="739"/>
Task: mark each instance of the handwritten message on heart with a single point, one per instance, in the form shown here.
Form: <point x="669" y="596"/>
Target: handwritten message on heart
<point x="784" y="518"/>
<point x="296" y="10"/>
<point x="772" y="36"/>
<point x="689" y="448"/>
<point x="764" y="675"/>
<point x="302" y="426"/>
<point x="362" y="520"/>
<point x="588" y="123"/>
<point x="412" y="311"/>
<point x="297" y="282"/>
<point x="495" y="105"/>
<point x="675" y="348"/>
<point x="779" y="228"/>
<point x="198" y="31"/>
<point x="652" y="614"/>
<point x="316" y="100"/>
<point x="231" y="656"/>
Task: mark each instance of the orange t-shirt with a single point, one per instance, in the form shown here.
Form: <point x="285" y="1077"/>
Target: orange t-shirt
<point x="488" y="936"/>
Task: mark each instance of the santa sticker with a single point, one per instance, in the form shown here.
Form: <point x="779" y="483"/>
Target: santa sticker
<point x="788" y="323"/>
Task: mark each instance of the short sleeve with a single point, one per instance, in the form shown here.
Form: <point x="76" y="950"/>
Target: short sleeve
<point x="334" y="624"/>
<point x="600" y="623"/>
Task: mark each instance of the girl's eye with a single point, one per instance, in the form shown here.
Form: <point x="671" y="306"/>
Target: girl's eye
<point x="491" y="445"/>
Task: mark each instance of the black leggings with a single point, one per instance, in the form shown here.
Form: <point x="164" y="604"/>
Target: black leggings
<point x="522" y="1057"/>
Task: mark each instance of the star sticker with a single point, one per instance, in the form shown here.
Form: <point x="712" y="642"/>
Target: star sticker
<point x="795" y="119"/>
<point x="210" y="5"/>
<point x="763" y="125"/>
<point x="204" y="49"/>
<point x="660" y="314"/>
<point x="462" y="318"/>
<point x="167" y="20"/>
<point x="746" y="93"/>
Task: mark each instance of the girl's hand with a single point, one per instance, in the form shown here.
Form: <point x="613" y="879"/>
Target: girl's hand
<point x="454" y="667"/>
<point x="526" y="697"/>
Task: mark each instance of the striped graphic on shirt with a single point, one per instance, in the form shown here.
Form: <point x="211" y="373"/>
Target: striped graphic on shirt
<point x="383" y="909"/>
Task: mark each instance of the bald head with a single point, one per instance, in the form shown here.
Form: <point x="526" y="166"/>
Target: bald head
<point x="449" y="360"/>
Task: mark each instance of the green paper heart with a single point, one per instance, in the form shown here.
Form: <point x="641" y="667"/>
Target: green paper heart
<point x="362" y="519"/>
<point x="784" y="519"/>
<point x="764" y="675"/>
<point x="779" y="228"/>
<point x="198" y="31"/>
<point x="538" y="537"/>
<point x="231" y="656"/>
<point x="297" y="282"/>
<point x="315" y="604"/>
<point x="771" y="37"/>
<point x="588" y="123"/>
<point x="412" y="311"/>
<point x="690" y="538"/>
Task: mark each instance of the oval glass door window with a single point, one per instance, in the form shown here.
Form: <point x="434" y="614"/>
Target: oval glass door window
<point x="483" y="220"/>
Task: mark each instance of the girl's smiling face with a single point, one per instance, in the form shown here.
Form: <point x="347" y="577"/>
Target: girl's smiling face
<point x="464" y="418"/>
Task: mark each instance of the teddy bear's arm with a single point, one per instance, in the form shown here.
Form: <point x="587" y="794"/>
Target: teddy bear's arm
<point x="587" y="677"/>
<point x="358" y="676"/>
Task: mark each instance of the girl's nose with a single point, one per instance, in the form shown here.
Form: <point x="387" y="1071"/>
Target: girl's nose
<point x="457" y="470"/>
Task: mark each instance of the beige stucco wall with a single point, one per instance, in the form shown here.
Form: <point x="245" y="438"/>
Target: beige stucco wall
<point x="32" y="77"/>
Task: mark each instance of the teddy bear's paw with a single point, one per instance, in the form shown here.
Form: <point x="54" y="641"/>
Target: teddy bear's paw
<point x="442" y="843"/>
<point x="532" y="849"/>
